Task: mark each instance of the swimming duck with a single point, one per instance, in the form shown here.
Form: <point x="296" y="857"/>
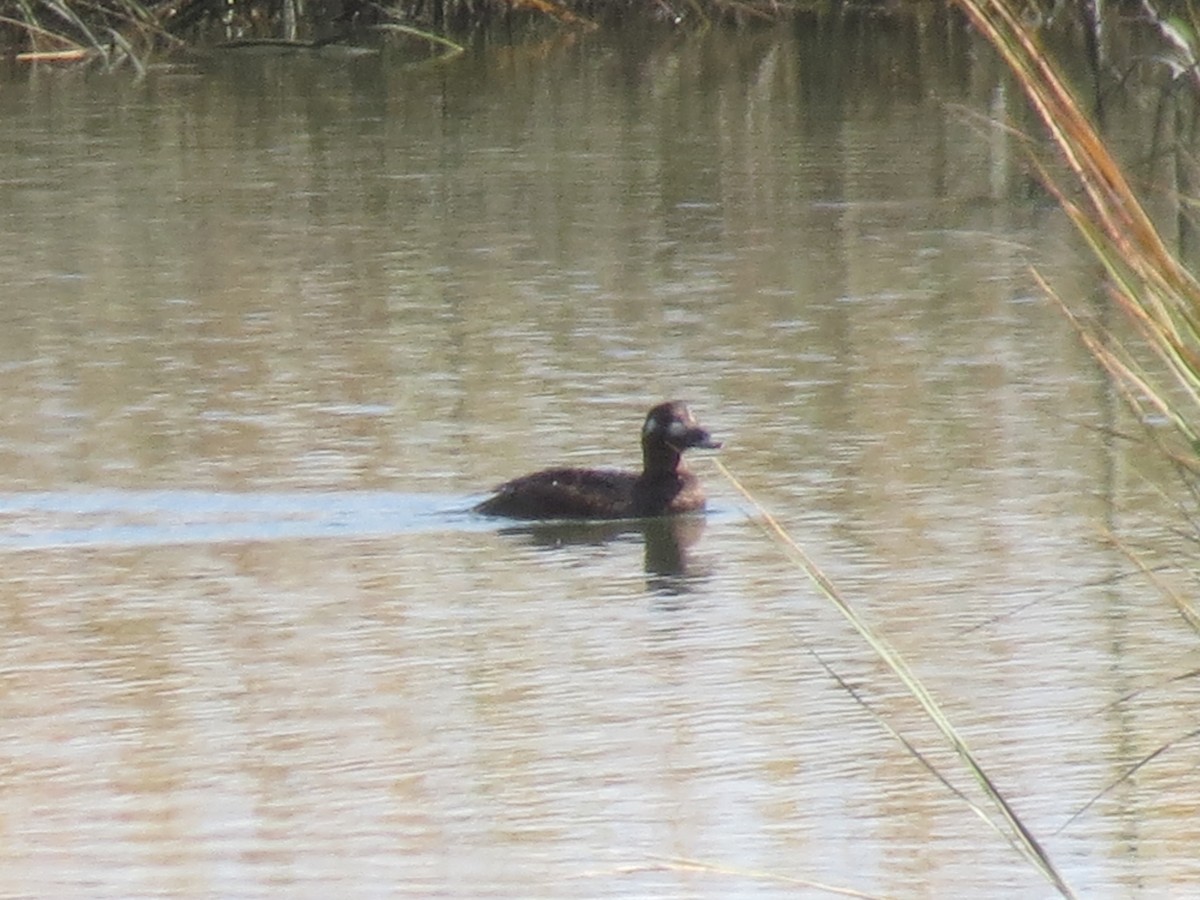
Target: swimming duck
<point x="664" y="487"/>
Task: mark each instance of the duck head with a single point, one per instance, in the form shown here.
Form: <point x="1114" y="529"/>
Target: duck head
<point x="671" y="429"/>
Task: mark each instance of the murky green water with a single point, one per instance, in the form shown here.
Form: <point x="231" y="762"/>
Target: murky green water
<point x="270" y="326"/>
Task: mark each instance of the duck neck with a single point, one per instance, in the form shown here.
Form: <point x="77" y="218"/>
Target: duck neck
<point x="659" y="459"/>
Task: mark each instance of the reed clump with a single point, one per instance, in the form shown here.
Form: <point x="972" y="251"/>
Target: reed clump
<point x="129" y="32"/>
<point x="1155" y="364"/>
<point x="1160" y="374"/>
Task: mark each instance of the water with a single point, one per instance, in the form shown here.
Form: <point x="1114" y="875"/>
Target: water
<point x="273" y="325"/>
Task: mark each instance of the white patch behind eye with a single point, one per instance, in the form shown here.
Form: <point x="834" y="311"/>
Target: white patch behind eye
<point x="676" y="429"/>
<point x="651" y="426"/>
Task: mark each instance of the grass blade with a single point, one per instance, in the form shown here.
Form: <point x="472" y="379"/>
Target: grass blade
<point x="1023" y="838"/>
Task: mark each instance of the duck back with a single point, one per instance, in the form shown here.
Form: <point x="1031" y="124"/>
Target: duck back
<point x="564" y="494"/>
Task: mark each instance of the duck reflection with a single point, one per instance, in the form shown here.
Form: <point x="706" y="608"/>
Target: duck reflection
<point x="666" y="542"/>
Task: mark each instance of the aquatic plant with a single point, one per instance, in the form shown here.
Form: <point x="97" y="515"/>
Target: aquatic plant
<point x="110" y="31"/>
<point x="1145" y="279"/>
<point x="129" y="32"/>
<point x="1155" y="363"/>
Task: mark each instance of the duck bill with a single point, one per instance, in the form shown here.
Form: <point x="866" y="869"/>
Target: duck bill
<point x="700" y="438"/>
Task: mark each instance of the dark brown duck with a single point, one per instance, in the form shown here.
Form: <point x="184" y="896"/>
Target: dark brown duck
<point x="665" y="486"/>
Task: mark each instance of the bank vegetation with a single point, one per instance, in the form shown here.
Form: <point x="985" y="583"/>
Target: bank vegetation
<point x="137" y="33"/>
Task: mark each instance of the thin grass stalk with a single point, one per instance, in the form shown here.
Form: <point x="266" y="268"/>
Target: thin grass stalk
<point x="1137" y="693"/>
<point x="127" y="11"/>
<point x="912" y="750"/>
<point x="1189" y="612"/>
<point x="130" y="53"/>
<point x="1145" y="307"/>
<point x="1114" y="357"/>
<point x="454" y="48"/>
<point x="129" y="24"/>
<point x="30" y="22"/>
<point x="686" y="864"/>
<point x="1021" y="836"/>
<point x="1125" y="373"/>
<point x="65" y="11"/>
<point x="33" y="29"/>
<point x="1056" y="106"/>
<point x="1129" y="773"/>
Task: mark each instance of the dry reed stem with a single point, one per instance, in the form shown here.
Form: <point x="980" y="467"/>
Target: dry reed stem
<point x="1018" y="834"/>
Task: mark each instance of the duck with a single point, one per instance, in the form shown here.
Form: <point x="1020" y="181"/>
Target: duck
<point x="664" y="487"/>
